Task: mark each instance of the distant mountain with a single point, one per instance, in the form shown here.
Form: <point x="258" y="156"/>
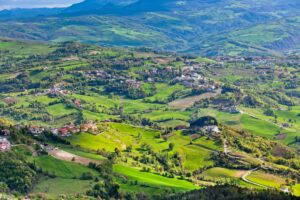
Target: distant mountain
<point x="28" y="13"/>
<point x="208" y="27"/>
<point x="89" y="6"/>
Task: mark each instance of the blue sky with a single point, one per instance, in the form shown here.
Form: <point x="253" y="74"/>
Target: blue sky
<point x="8" y="4"/>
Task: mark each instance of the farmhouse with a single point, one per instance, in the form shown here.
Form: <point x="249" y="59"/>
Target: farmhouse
<point x="4" y="145"/>
<point x="77" y="103"/>
<point x="89" y="127"/>
<point x="67" y="130"/>
<point x="54" y="131"/>
<point x="64" y="131"/>
<point x="231" y="109"/>
<point x="36" y="130"/>
<point x="211" y="129"/>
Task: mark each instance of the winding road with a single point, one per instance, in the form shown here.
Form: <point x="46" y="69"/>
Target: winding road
<point x="248" y="173"/>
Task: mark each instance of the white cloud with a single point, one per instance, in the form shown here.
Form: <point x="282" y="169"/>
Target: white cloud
<point x="9" y="4"/>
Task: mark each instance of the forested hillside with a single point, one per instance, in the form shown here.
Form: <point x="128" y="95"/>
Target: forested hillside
<point x="206" y="27"/>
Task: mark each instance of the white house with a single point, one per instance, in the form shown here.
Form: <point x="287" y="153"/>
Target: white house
<point x="4" y="145"/>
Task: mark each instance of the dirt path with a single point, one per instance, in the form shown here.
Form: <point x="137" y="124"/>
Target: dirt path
<point x="66" y="156"/>
<point x="255" y="117"/>
<point x="189" y="101"/>
<point x="248" y="173"/>
<point x="226" y="151"/>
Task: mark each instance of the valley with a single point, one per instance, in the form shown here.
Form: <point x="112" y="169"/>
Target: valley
<point x="89" y="121"/>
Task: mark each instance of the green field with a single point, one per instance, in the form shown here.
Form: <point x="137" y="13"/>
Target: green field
<point x="60" y="186"/>
<point x="267" y="179"/>
<point x="119" y="136"/>
<point x="58" y="110"/>
<point x="89" y="155"/>
<point x="153" y="180"/>
<point x="62" y="169"/>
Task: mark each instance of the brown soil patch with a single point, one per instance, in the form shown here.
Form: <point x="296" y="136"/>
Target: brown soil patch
<point x="190" y="101"/>
<point x="281" y="136"/>
<point x="66" y="156"/>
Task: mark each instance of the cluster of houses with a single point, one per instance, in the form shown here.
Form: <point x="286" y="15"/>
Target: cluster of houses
<point x="195" y="80"/>
<point x="94" y="74"/>
<point x="56" y="91"/>
<point x="66" y="130"/>
<point x="211" y="129"/>
<point x="133" y="84"/>
<point x="230" y="109"/>
<point x="5" y="145"/>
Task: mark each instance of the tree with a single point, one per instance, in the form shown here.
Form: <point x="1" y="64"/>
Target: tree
<point x="3" y="188"/>
<point x="129" y="148"/>
<point x="117" y="151"/>
<point x="171" y="146"/>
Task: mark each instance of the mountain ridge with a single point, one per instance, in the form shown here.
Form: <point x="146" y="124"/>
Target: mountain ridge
<point x="205" y="27"/>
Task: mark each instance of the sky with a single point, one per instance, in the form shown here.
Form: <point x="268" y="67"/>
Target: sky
<point x="9" y="4"/>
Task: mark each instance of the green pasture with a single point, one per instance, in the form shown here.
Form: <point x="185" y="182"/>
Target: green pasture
<point x="53" y="188"/>
<point x="269" y="180"/>
<point x="60" y="109"/>
<point x="153" y="180"/>
<point x="62" y="169"/>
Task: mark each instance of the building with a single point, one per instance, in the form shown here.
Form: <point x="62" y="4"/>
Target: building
<point x="231" y="109"/>
<point x="211" y="129"/>
<point x="77" y="103"/>
<point x="36" y="130"/>
<point x="64" y="131"/>
<point x="89" y="127"/>
<point x="4" y="145"/>
<point x="54" y="131"/>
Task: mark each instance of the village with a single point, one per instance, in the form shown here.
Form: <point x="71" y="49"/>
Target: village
<point x="67" y="130"/>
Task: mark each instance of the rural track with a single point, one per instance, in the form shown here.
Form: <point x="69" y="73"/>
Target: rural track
<point x="248" y="173"/>
<point x="66" y="156"/>
<point x="255" y="117"/>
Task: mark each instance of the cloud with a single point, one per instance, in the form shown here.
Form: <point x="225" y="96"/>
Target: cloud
<point x="9" y="4"/>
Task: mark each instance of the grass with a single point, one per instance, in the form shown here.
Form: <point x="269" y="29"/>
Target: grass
<point x="25" y="49"/>
<point x="61" y="186"/>
<point x="161" y="115"/>
<point x="224" y="175"/>
<point x="173" y="123"/>
<point x="259" y="127"/>
<point x="196" y="155"/>
<point x="84" y="154"/>
<point x="153" y="180"/>
<point x="62" y="169"/>
<point x="266" y="179"/>
<point x="218" y="172"/>
<point x="296" y="190"/>
<point x="60" y="109"/>
<point x="163" y="92"/>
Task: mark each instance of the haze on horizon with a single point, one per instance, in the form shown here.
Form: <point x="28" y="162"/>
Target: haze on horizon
<point x="11" y="4"/>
